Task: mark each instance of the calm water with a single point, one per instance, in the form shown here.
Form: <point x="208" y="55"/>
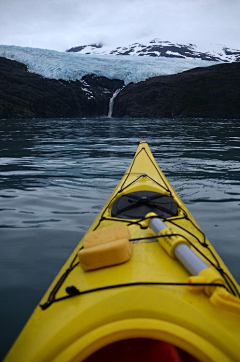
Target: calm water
<point x="57" y="174"/>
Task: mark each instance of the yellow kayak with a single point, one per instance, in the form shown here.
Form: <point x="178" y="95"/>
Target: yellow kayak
<point x="144" y="284"/>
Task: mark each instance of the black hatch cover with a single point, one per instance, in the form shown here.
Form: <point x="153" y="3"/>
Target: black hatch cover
<point x="136" y="205"/>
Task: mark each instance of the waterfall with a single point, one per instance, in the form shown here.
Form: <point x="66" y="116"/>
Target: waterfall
<point x="111" y="102"/>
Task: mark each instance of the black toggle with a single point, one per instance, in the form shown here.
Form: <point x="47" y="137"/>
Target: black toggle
<point x="72" y="290"/>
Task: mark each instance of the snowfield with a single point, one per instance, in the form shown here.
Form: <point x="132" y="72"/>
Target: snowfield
<point x="72" y="66"/>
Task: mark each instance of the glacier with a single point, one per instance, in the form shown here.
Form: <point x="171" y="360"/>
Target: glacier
<point x="72" y="66"/>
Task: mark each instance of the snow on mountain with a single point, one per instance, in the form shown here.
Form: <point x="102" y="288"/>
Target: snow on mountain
<point x="71" y="66"/>
<point x="159" y="48"/>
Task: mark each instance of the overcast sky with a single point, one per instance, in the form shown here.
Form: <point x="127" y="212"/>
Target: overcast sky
<point x="61" y="24"/>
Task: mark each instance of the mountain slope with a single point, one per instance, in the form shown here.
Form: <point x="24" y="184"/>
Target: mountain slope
<point x="159" y="48"/>
<point x="44" y="83"/>
<point x="211" y="92"/>
<point x="28" y="95"/>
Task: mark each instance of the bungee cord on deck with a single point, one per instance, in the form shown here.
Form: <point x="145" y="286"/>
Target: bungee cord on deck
<point x="74" y="291"/>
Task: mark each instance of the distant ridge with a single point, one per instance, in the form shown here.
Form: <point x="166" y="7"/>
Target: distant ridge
<point x="160" y="48"/>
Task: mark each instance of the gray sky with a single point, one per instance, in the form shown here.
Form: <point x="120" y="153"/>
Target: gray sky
<point x="61" y="24"/>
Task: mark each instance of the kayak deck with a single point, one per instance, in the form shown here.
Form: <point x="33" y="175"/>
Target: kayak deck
<point x="146" y="249"/>
<point x="147" y="297"/>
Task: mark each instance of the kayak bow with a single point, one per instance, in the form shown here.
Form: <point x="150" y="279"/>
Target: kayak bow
<point x="143" y="284"/>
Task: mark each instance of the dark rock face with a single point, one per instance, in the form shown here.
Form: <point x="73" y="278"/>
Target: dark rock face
<point x="28" y="95"/>
<point x="82" y="47"/>
<point x="211" y="92"/>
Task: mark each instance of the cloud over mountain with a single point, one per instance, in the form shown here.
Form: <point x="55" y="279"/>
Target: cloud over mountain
<point x="60" y="24"/>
